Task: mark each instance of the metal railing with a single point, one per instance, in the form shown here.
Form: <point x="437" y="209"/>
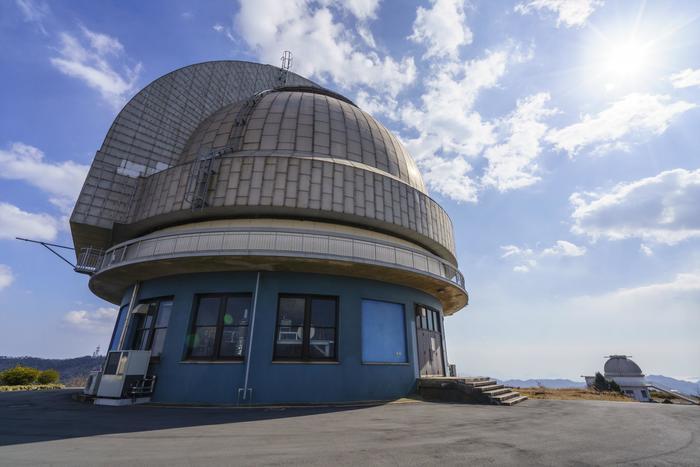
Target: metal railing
<point x="270" y="242"/>
<point x="89" y="260"/>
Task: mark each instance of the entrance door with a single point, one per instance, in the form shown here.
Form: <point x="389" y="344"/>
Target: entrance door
<point x="429" y="342"/>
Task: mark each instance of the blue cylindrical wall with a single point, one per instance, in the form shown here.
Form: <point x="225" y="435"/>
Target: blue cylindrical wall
<point x="348" y="379"/>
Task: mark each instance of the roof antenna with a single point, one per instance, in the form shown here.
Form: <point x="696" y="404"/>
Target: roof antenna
<point x="286" y="60"/>
<point x="48" y="247"/>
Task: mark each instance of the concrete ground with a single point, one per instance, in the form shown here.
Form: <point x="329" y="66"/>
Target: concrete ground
<point x="49" y="428"/>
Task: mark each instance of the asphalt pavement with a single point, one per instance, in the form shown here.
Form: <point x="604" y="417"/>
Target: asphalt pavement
<point x="49" y="428"/>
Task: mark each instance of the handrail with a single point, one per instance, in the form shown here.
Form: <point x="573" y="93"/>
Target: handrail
<point x="674" y="392"/>
<point x="269" y="242"/>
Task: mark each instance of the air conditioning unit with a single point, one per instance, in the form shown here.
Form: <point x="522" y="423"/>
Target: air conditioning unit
<point x="92" y="383"/>
<point x="124" y="370"/>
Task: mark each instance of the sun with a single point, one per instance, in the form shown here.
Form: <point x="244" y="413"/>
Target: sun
<point x="621" y="63"/>
<point x="626" y="60"/>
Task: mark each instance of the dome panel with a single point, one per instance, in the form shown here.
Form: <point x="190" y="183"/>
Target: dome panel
<point x="303" y="122"/>
<point x="620" y="365"/>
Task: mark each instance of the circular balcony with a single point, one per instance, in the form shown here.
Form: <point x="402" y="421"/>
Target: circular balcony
<point x="207" y="250"/>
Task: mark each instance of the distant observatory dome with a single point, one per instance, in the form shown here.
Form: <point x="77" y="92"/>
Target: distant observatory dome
<point x="620" y="365"/>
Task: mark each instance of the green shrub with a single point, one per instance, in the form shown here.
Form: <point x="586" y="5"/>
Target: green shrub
<point x="31" y="387"/>
<point x="615" y="387"/>
<point x="19" y="375"/>
<point x="48" y="377"/>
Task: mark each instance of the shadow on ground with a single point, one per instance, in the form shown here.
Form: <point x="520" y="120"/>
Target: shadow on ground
<point x="29" y="417"/>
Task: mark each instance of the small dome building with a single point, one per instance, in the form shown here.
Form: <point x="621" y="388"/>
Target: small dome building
<point x="627" y="375"/>
<point x="266" y="241"/>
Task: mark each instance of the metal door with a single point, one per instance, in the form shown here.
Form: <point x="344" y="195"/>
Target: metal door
<point x="429" y="342"/>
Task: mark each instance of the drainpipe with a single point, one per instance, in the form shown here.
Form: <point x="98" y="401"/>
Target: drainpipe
<point x="445" y="362"/>
<point x="250" y="340"/>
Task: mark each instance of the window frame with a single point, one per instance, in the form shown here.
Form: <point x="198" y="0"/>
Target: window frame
<point x="125" y="310"/>
<point x="216" y="356"/>
<point x="152" y="328"/>
<point x="433" y="318"/>
<point x="305" y="344"/>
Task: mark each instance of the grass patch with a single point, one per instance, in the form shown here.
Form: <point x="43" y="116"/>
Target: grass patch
<point x="31" y="387"/>
<point x="571" y="394"/>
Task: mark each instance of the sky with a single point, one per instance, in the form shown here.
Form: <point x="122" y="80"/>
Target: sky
<point x="561" y="136"/>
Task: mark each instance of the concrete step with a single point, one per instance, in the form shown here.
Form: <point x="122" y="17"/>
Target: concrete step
<point x="489" y="388"/>
<point x="478" y="384"/>
<point x="497" y="392"/>
<point x="466" y="390"/>
<point x="514" y="400"/>
<point x="505" y="396"/>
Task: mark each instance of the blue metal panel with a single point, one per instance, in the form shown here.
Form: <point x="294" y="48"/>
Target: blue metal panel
<point x="383" y="332"/>
<point x="348" y="379"/>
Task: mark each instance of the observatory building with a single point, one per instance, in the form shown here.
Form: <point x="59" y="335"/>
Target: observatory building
<point x="627" y="375"/>
<point x="266" y="241"/>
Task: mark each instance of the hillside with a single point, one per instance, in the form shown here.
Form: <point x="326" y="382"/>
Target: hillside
<point x="73" y="371"/>
<point x="685" y="387"/>
<point x="547" y="383"/>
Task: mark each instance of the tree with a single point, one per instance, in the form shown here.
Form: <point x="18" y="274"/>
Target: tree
<point x="49" y="376"/>
<point x="19" y="375"/>
<point x="613" y="386"/>
<point x="600" y="384"/>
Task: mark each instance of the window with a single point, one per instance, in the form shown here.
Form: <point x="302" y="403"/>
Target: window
<point x="428" y="319"/>
<point x="151" y="324"/>
<point x="383" y="332"/>
<point x="220" y="327"/>
<point x="306" y="328"/>
<point x="112" y="363"/>
<point x="118" y="328"/>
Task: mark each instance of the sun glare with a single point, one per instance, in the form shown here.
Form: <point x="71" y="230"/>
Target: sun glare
<point x="622" y="64"/>
<point x="628" y="53"/>
<point x="626" y="60"/>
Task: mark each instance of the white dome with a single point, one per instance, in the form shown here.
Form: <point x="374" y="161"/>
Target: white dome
<point x="620" y="365"/>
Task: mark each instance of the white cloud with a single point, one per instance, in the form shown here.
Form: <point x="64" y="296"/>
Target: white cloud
<point x="91" y="63"/>
<point x="442" y="28"/>
<point x="6" y="276"/>
<point x="34" y="12"/>
<point x="511" y="164"/>
<point x="98" y="321"/>
<point x="686" y="78"/>
<point x="646" y="250"/>
<point x="62" y="180"/>
<point x="564" y="248"/>
<point x="569" y="12"/>
<point x="361" y="9"/>
<point x="527" y="257"/>
<point x="450" y="177"/>
<point x="448" y="128"/>
<point x="323" y="47"/>
<point x="17" y="223"/>
<point x="513" y="250"/>
<point x="626" y="121"/>
<point x="366" y="35"/>
<point x="674" y="295"/>
<point x="663" y="209"/>
<point x="218" y="28"/>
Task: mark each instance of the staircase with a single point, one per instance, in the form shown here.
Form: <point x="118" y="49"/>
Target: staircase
<point x="478" y="390"/>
